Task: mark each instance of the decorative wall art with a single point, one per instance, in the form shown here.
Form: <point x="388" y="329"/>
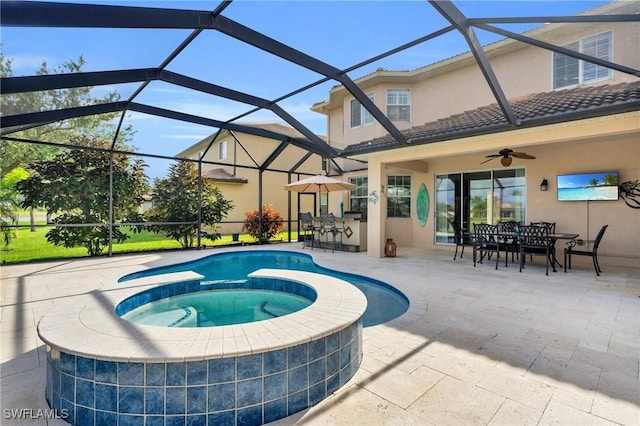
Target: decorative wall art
<point x="422" y="205"/>
<point x="630" y="193"/>
<point x="374" y="197"/>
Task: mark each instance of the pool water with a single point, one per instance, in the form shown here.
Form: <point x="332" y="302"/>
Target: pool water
<point x="384" y="302"/>
<point x="217" y="307"/>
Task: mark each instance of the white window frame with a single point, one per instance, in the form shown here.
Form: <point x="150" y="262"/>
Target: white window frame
<point x="395" y="104"/>
<point x="222" y="150"/>
<point x="584" y="68"/>
<point x="358" y="115"/>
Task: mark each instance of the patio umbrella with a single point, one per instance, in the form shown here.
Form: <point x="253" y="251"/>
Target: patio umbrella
<point x="318" y="183"/>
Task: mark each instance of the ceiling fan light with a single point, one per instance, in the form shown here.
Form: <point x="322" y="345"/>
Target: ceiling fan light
<point x="506" y="161"/>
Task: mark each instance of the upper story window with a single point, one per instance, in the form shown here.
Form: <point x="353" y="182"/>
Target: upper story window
<point x="359" y="115"/>
<point x="399" y="196"/>
<point x="568" y="71"/>
<point x="222" y="150"/>
<point x="399" y="104"/>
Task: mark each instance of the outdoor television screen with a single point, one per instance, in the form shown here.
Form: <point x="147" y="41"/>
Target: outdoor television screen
<point x="588" y="186"/>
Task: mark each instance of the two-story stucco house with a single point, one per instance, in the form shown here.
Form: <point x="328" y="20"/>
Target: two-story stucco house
<point x="573" y="116"/>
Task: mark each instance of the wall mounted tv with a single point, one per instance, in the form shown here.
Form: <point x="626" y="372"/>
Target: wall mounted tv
<point x="600" y="186"/>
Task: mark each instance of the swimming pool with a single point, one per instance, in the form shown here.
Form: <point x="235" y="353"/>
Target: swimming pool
<point x="384" y="302"/>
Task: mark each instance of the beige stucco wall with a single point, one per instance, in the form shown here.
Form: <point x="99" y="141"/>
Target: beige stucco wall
<point x="457" y="85"/>
<point x="610" y="143"/>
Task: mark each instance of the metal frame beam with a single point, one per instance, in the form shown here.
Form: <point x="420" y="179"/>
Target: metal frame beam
<point x="450" y="12"/>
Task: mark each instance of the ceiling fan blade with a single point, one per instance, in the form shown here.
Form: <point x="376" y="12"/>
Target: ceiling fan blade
<point x="491" y="157"/>
<point x="523" y="155"/>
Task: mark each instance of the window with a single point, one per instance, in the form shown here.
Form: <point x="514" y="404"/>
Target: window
<point x="359" y="115"/>
<point x="222" y="150"/>
<point x="399" y="196"/>
<point x="568" y="71"/>
<point x="398" y="104"/>
<point x="358" y="196"/>
<point x="478" y="197"/>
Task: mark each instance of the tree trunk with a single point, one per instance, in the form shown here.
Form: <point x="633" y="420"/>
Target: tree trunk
<point x="32" y="218"/>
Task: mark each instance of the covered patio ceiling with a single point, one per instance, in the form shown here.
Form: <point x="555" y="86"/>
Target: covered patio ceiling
<point x="442" y="19"/>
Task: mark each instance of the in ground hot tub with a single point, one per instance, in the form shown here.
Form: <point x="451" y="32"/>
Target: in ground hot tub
<point x="103" y="369"/>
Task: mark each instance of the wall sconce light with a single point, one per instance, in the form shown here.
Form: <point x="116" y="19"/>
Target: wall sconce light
<point x="544" y="185"/>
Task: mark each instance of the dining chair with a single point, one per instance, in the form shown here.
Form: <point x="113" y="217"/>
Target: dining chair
<point x="308" y="228"/>
<point x="533" y="239"/>
<point x="461" y="237"/>
<point x="332" y="229"/>
<point x="569" y="251"/>
<point x="510" y="243"/>
<point x="485" y="242"/>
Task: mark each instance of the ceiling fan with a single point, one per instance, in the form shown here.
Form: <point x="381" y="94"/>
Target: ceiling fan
<point x="507" y="155"/>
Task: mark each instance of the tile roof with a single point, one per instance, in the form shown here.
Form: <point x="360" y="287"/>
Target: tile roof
<point x="533" y="110"/>
<point x="221" y="175"/>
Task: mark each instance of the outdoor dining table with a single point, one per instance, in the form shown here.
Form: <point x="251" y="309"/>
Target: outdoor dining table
<point x="553" y="238"/>
<point x="507" y="239"/>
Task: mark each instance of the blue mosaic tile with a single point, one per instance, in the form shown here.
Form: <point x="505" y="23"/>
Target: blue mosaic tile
<point x="176" y="374"/>
<point x="333" y="363"/>
<point x="317" y="393"/>
<point x="155" y="374"/>
<point x="298" y="379"/>
<point x="317" y="371"/>
<point x="333" y="383"/>
<point x="175" y="420"/>
<point x="333" y="343"/>
<point x="55" y="380"/>
<point x="106" y="397"/>
<point x="106" y="372"/>
<point x="85" y="367"/>
<point x="85" y="394"/>
<point x="106" y="418"/>
<point x="131" y="373"/>
<point x="176" y="401"/>
<point x="128" y="420"/>
<point x="154" y="400"/>
<point x="249" y="416"/>
<point x="197" y="373"/>
<point x="155" y="421"/>
<point x="68" y="408"/>
<point x="68" y="387"/>
<point x="54" y="356"/>
<point x="275" y="361"/>
<point x="222" y="397"/>
<point x="249" y="392"/>
<point x="225" y="418"/>
<point x="67" y="363"/>
<point x="196" y="399"/>
<point x="345" y="356"/>
<point x="249" y="366"/>
<point x="275" y="410"/>
<point x="222" y="370"/>
<point x="316" y="349"/>
<point x="197" y="420"/>
<point x="297" y="356"/>
<point x="85" y="416"/>
<point x="297" y="402"/>
<point x="275" y="386"/>
<point x="131" y="400"/>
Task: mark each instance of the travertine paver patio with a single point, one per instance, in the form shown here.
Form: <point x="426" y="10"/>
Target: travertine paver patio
<point x="478" y="346"/>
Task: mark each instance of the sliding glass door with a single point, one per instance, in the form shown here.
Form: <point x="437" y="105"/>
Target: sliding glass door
<point x="478" y="197"/>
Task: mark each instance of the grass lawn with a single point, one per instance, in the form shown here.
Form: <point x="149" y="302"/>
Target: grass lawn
<point x="33" y="246"/>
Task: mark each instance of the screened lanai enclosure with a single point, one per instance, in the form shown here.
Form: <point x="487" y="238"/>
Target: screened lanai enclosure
<point x="160" y="82"/>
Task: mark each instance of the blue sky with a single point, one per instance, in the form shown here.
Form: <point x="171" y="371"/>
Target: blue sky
<point x="341" y="33"/>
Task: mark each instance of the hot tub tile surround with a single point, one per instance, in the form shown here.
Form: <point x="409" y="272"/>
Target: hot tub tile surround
<point x="264" y="383"/>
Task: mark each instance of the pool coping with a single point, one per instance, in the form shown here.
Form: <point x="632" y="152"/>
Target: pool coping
<point x="89" y="327"/>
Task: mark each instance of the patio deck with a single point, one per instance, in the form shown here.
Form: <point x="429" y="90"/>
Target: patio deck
<point x="477" y="346"/>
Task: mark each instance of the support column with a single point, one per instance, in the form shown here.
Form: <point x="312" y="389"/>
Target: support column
<point x="376" y="212"/>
